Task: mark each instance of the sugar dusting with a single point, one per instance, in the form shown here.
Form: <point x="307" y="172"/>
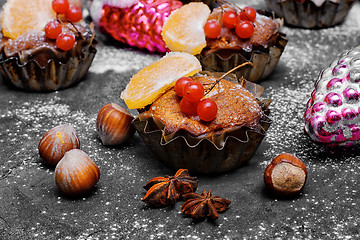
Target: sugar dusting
<point x="110" y="58"/>
<point x="338" y="171"/>
<point x="314" y="215"/>
<point x="30" y="120"/>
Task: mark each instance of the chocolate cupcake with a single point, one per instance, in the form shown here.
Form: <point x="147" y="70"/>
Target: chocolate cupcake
<point x="33" y="61"/>
<point x="263" y="48"/>
<point x="225" y="143"/>
<point x="311" y="13"/>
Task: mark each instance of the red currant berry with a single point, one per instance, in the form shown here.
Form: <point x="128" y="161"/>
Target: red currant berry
<point x="65" y="41"/>
<point x="189" y="108"/>
<point x="244" y="29"/>
<point x="53" y="29"/>
<point x="212" y="29"/>
<point x="207" y="110"/>
<point x="193" y="91"/>
<point x="60" y="6"/>
<point x="73" y="14"/>
<point x="248" y="14"/>
<point x="230" y="19"/>
<point x="180" y="84"/>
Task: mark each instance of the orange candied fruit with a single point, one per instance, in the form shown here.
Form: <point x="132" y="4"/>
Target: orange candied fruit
<point x="183" y="31"/>
<point x="152" y="81"/>
<point x="21" y="16"/>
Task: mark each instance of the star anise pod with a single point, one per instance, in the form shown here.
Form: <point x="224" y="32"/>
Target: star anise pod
<point x="163" y="191"/>
<point x="204" y="205"/>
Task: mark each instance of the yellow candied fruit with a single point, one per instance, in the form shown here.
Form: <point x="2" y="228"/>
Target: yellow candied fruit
<point x="183" y="31"/>
<point x="21" y="16"/>
<point x="152" y="81"/>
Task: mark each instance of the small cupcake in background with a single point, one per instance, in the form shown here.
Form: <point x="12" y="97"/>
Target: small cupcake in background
<point x="227" y="37"/>
<point x="45" y="45"/>
<point x="311" y="13"/>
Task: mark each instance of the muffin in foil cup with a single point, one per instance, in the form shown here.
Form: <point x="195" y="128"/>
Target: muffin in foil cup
<point x="44" y="70"/>
<point x="311" y="13"/>
<point x="208" y="154"/>
<point x="264" y="58"/>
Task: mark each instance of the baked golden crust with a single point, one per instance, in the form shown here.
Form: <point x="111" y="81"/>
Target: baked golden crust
<point x="236" y="107"/>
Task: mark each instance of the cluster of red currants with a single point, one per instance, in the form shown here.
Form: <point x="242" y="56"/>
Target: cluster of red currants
<point x="192" y="103"/>
<point x="242" y="22"/>
<point x="53" y="29"/>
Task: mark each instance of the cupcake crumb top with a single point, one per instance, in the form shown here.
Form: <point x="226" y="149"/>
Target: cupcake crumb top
<point x="236" y="107"/>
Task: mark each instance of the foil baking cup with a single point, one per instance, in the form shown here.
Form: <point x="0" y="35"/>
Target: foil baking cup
<point x="206" y="155"/>
<point x="55" y="75"/>
<point x="311" y="13"/>
<point x="264" y="58"/>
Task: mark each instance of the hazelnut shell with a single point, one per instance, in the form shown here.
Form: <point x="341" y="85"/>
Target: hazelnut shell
<point x="56" y="142"/>
<point x="76" y="173"/>
<point x="113" y="124"/>
<point x="285" y="175"/>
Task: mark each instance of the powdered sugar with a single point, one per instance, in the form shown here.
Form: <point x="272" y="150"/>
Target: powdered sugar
<point x="108" y="59"/>
<point x="333" y="173"/>
<point x="327" y="209"/>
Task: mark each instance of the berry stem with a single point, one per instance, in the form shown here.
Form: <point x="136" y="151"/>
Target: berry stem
<point x="224" y="2"/>
<point x="73" y="25"/>
<point x="227" y="73"/>
<point x="77" y="30"/>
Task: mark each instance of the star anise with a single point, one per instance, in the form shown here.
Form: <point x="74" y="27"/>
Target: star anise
<point x="204" y="205"/>
<point x="163" y="191"/>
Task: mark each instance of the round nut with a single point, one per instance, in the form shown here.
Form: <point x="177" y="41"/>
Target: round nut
<point x="76" y="173"/>
<point x="285" y="175"/>
<point x="56" y="142"/>
<point x="113" y="124"/>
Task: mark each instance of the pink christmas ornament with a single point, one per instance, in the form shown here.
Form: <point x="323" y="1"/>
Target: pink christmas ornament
<point x="134" y="22"/>
<point x="332" y="116"/>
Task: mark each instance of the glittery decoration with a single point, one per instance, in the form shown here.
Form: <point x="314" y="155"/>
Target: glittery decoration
<point x="332" y="116"/>
<point x="139" y="25"/>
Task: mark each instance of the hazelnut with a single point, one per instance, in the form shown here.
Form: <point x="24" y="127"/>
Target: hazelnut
<point x="285" y="175"/>
<point x="56" y="142"/>
<point x="113" y="124"/>
<point x="76" y="173"/>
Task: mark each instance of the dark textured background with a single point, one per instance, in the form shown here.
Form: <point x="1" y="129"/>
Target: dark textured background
<point x="31" y="207"/>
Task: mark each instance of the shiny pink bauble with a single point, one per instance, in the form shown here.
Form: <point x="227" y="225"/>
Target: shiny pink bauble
<point x="332" y="115"/>
<point x="139" y="25"/>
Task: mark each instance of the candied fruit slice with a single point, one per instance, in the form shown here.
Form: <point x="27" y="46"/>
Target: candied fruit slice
<point x="149" y="83"/>
<point x="183" y="31"/>
<point x="21" y="16"/>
